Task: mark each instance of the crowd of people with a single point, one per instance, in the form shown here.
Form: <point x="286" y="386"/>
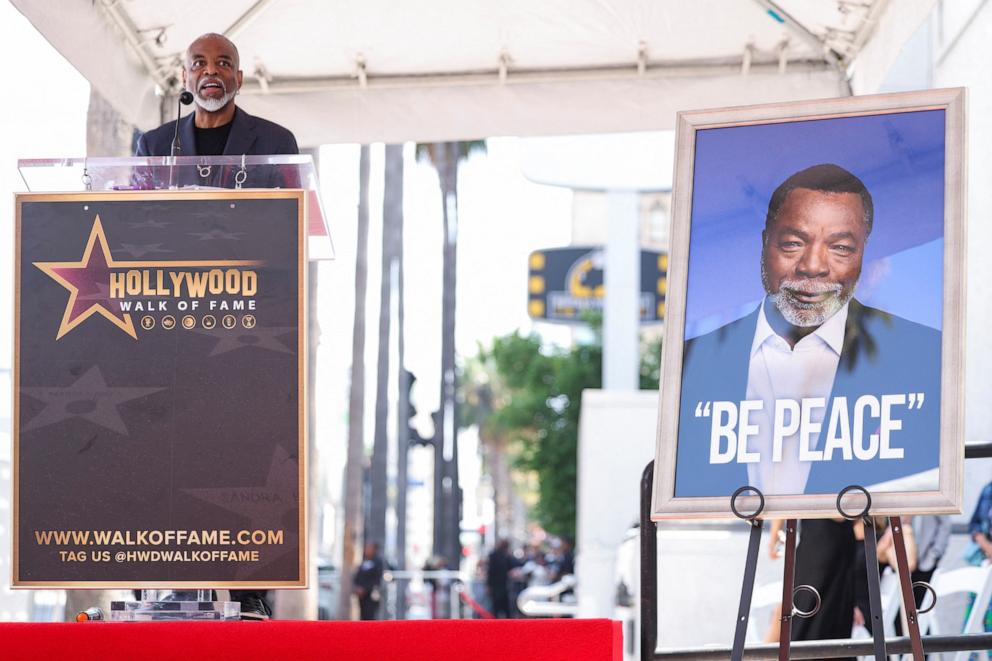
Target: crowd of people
<point x="504" y="572"/>
<point x="510" y="571"/>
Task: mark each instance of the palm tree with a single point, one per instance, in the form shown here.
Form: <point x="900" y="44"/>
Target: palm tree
<point x="482" y="393"/>
<point x="356" y="408"/>
<point x="445" y="158"/>
<point x="403" y="413"/>
<point x="392" y="219"/>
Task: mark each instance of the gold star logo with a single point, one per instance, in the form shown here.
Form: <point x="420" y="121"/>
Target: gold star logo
<point x="88" y="282"/>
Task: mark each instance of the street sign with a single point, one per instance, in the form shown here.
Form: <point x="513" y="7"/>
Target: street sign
<point x="563" y="283"/>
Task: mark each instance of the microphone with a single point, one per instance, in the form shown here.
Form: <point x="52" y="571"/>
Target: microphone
<point x="185" y="98"/>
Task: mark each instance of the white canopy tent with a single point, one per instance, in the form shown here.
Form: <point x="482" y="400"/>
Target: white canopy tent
<point x="428" y="70"/>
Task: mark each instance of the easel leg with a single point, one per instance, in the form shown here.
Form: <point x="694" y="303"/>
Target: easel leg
<point x="747" y="589"/>
<point x="649" y="568"/>
<point x="906" y="583"/>
<point x="788" y="589"/>
<point x="874" y="591"/>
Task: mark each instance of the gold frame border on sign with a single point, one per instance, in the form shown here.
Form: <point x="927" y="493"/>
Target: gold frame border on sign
<point x="300" y="196"/>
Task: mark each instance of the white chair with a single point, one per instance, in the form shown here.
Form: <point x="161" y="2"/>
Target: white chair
<point x="965" y="580"/>
<point x="536" y="601"/>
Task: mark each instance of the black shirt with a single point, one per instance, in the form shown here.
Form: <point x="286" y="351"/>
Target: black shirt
<point x="211" y="142"/>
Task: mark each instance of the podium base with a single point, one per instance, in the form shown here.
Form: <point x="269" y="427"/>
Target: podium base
<point x="154" y="611"/>
<point x="161" y="605"/>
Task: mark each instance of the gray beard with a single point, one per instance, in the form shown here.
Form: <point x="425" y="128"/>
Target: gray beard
<point x="213" y="105"/>
<point x="802" y="313"/>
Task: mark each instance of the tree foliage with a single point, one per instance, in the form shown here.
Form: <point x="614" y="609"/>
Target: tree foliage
<point x="532" y="396"/>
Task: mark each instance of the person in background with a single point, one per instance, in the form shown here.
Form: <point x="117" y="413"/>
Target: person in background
<point x="979" y="529"/>
<point x="499" y="564"/>
<point x="536" y="568"/>
<point x="518" y="581"/>
<point x="932" y="536"/>
<point x="368" y="582"/>
<point x="886" y="557"/>
<point x="981" y="522"/>
<point x="564" y="563"/>
<point x="825" y="557"/>
<point x="439" y="587"/>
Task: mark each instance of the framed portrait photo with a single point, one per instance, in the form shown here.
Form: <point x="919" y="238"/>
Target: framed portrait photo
<point x="815" y="309"/>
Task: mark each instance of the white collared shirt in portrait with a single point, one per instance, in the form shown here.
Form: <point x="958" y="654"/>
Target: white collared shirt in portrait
<point x="778" y="371"/>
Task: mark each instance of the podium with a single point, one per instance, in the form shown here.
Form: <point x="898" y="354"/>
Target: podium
<point x="63" y="175"/>
<point x="160" y="377"/>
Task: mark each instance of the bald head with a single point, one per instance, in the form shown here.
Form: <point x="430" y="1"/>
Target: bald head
<point x="220" y="40"/>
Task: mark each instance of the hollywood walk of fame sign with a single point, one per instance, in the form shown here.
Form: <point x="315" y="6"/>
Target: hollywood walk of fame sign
<point x="159" y="390"/>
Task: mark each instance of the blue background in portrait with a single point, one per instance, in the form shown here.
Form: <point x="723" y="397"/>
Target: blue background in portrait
<point x="899" y="157"/>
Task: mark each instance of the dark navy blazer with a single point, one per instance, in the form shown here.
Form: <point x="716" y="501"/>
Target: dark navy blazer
<point x="249" y="135"/>
<point x="882" y="354"/>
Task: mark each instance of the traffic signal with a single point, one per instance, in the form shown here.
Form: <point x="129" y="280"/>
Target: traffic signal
<point x="406" y="386"/>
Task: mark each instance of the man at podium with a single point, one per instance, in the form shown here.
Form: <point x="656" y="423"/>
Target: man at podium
<point x="217" y="127"/>
<point x="212" y="74"/>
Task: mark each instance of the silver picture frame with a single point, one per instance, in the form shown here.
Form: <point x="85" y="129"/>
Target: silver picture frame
<point x="947" y="497"/>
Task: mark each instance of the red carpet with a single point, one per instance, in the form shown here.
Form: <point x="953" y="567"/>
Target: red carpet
<point x="472" y="640"/>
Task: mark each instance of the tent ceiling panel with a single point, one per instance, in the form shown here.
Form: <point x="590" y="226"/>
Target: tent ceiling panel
<point x="448" y="36"/>
<point x="353" y="70"/>
<point x="466" y="112"/>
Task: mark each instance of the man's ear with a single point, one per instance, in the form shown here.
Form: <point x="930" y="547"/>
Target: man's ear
<point x="764" y="238"/>
<point x="240" y="78"/>
<point x="184" y="77"/>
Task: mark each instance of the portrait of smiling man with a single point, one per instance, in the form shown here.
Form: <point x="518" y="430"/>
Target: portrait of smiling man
<point x="810" y="341"/>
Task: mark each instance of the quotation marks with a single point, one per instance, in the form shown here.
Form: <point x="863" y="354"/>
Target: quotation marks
<point x="914" y="400"/>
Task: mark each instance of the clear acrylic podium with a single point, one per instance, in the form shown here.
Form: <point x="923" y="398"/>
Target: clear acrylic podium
<point x="160" y="605"/>
<point x="184" y="173"/>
